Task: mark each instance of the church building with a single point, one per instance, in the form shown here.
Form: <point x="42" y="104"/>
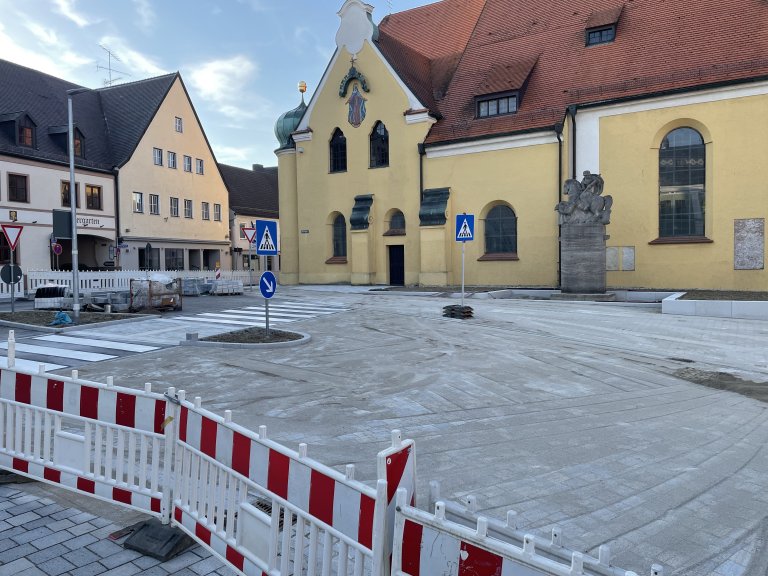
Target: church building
<point x="488" y="107"/>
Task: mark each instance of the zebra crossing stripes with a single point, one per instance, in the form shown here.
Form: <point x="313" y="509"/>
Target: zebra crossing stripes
<point x="256" y="315"/>
<point x="56" y="351"/>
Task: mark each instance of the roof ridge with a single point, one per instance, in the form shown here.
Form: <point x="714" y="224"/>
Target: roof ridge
<point x="40" y="72"/>
<point x="151" y="79"/>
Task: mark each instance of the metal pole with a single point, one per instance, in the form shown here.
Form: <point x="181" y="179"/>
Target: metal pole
<point x="462" y="273"/>
<point x="250" y="265"/>
<point x="73" y="210"/>
<point x="13" y="287"/>
<point x="266" y="309"/>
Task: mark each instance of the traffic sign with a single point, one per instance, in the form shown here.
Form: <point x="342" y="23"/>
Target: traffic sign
<point x="266" y="237"/>
<point x="250" y="234"/>
<point x="10" y="273"/>
<point x="268" y="284"/>
<point x="12" y="233"/>
<point x="57" y="248"/>
<point x="465" y="227"/>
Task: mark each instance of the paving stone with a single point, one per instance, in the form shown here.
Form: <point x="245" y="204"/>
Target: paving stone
<point x="14" y="567"/>
<point x="88" y="570"/>
<point x="60" y="524"/>
<point x="100" y="522"/>
<point x="145" y="562"/>
<point x="206" y="566"/>
<point x="25" y="507"/>
<point x="22" y="519"/>
<point x="51" y="539"/>
<point x="8" y="492"/>
<point x="81" y="557"/>
<point x="56" y="566"/>
<point x="120" y="558"/>
<point x="49" y="509"/>
<point x="34" y="571"/>
<point x="181" y="561"/>
<point x="29" y="535"/>
<point x="4" y="526"/>
<point x="184" y="572"/>
<point x="4" y="515"/>
<point x="80" y="541"/>
<point x="18" y="551"/>
<point x="65" y="513"/>
<point x="153" y="571"/>
<point x="124" y="570"/>
<point x="52" y="552"/>
<point x="44" y="521"/>
<point x="11" y="532"/>
<point x="104" y="548"/>
<point x="105" y="531"/>
<point x="79" y="529"/>
<point x="7" y="543"/>
<point x="79" y="517"/>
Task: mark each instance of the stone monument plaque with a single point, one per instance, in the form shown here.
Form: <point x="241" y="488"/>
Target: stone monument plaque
<point x="749" y="244"/>
<point x="582" y="235"/>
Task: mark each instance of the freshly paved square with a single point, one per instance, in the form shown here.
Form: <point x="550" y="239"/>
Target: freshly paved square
<point x="570" y="414"/>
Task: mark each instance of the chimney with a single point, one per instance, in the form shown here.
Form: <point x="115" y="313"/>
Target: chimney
<point x="257" y="167"/>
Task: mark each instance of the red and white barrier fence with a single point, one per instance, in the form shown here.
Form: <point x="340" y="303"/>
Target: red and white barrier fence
<point x="98" y="439"/>
<point x="262" y="508"/>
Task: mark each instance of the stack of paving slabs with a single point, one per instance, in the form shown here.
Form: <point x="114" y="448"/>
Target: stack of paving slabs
<point x="457" y="311"/>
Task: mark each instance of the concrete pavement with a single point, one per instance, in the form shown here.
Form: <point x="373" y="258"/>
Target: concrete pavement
<point x="575" y="414"/>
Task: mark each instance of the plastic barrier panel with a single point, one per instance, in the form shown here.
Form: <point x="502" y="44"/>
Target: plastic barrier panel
<point x="97" y="439"/>
<point x="266" y="509"/>
<point x="430" y="545"/>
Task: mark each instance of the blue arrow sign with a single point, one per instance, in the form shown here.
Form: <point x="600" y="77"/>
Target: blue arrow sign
<point x="266" y="238"/>
<point x="465" y="227"/>
<point x="268" y="284"/>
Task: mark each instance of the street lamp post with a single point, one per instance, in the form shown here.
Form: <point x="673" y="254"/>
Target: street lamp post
<point x="73" y="206"/>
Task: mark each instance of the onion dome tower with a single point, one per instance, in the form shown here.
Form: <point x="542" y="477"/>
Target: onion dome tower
<point x="288" y="121"/>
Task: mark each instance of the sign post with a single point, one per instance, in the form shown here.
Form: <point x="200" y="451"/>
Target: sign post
<point x="250" y="234"/>
<point x="267" y="286"/>
<point x="12" y="233"/>
<point x="465" y="232"/>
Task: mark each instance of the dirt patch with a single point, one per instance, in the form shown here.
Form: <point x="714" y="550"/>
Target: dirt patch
<point x="725" y="381"/>
<point x="253" y="336"/>
<point x="45" y="317"/>
<point x="724" y="295"/>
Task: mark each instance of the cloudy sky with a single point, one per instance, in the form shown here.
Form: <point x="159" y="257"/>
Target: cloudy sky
<point x="240" y="59"/>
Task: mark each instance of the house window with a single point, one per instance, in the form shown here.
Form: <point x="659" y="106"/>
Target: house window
<point x="187" y="163"/>
<point x="157" y="154"/>
<point x="26" y="133"/>
<point x="179" y="124"/>
<point x="171" y="159"/>
<point x="497" y="106"/>
<point x="206" y="211"/>
<point x="174" y="259"/>
<point x="138" y="202"/>
<point x="79" y="143"/>
<point x="174" y="207"/>
<point x="682" y="169"/>
<point x="92" y="197"/>
<point x="396" y="224"/>
<point x="198" y="166"/>
<point x="379" y="144"/>
<point x="217" y="212"/>
<point x="154" y="204"/>
<point x="338" y="149"/>
<point x="187" y="208"/>
<point x="18" y="188"/>
<point x="243" y="226"/>
<point x="339" y="237"/>
<point x="65" y="197"/>
<point x="601" y="35"/>
<point x="149" y="259"/>
<point x="5" y="251"/>
<point x="501" y="231"/>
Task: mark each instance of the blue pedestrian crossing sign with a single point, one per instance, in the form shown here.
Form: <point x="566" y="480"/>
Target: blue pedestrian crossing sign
<point x="268" y="284"/>
<point x="465" y="227"/>
<point x="266" y="238"/>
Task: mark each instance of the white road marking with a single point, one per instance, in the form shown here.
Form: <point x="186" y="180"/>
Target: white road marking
<point x="61" y="353"/>
<point x="29" y="365"/>
<point x="98" y="343"/>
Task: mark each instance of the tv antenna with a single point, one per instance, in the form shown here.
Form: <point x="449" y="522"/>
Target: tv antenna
<point x="110" y="56"/>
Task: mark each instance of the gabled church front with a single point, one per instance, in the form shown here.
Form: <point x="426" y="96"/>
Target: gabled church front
<point x="488" y="107"/>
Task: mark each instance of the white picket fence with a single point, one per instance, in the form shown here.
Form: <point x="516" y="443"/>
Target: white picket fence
<point x="113" y="280"/>
<point x="260" y="507"/>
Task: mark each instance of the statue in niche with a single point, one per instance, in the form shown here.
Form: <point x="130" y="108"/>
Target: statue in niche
<point x="586" y="204"/>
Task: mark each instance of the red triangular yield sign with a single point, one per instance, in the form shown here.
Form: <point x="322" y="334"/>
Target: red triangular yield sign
<point x="250" y="234"/>
<point x="12" y="233"/>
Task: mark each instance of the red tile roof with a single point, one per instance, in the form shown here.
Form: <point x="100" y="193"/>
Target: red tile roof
<point x="451" y="51"/>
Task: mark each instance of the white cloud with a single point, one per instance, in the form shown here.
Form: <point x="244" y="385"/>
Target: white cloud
<point x="146" y="14"/>
<point x="224" y="85"/>
<point x="256" y="5"/>
<point x="50" y="54"/>
<point x="67" y="9"/>
<point x="132" y="61"/>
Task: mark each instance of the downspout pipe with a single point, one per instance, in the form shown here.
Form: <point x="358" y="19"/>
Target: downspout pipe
<point x="116" y="176"/>
<point x="572" y="109"/>
<point x="559" y="134"/>
<point x="422" y="153"/>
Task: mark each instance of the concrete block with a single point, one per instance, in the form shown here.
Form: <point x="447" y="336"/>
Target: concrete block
<point x="750" y="310"/>
<point x="672" y="305"/>
<point x="714" y="308"/>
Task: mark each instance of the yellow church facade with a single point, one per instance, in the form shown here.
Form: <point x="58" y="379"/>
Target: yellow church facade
<point x="423" y="118"/>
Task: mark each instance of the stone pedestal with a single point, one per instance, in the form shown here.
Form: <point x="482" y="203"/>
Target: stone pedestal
<point x="582" y="258"/>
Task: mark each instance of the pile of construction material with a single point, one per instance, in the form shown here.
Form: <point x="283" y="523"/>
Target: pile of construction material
<point x="457" y="311"/>
<point x="156" y="292"/>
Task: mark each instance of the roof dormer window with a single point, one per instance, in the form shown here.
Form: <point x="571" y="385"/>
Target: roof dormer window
<point x="497" y="105"/>
<point x="602" y="35"/>
<point x="26" y="132"/>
